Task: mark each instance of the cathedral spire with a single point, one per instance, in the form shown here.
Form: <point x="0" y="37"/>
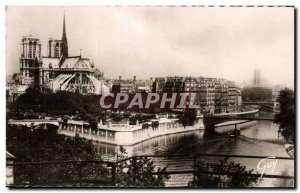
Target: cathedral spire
<point x="64" y="41"/>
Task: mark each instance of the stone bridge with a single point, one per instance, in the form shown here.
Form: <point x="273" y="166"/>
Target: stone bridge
<point x="210" y="121"/>
<point x="34" y="122"/>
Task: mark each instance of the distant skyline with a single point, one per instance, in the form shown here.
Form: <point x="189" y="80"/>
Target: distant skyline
<point x="160" y="41"/>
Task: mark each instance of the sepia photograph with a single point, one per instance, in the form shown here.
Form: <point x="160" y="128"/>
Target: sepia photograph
<point x="194" y="97"/>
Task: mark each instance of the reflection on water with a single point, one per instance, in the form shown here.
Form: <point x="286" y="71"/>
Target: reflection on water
<point x="264" y="130"/>
<point x="167" y="144"/>
<point x="259" y="138"/>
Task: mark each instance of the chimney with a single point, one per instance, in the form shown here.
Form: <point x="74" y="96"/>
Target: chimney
<point x="134" y="78"/>
<point x="120" y="78"/>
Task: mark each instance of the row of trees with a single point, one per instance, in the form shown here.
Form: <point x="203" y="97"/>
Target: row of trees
<point x="59" y="103"/>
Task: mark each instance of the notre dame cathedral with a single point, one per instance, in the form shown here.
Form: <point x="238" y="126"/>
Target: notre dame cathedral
<point x="58" y="71"/>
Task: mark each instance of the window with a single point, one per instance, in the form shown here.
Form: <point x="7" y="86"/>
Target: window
<point x="30" y="50"/>
<point x="57" y="50"/>
<point x="34" y="49"/>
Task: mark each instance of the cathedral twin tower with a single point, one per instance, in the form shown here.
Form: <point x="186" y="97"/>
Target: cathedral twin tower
<point x="59" y="48"/>
<point x="31" y="52"/>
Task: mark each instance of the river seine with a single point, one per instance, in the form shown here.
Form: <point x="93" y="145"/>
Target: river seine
<point x="258" y="138"/>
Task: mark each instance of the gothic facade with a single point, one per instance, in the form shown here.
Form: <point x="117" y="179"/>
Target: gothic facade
<point x="57" y="71"/>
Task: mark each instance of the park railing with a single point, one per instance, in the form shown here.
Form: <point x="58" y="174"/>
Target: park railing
<point x="97" y="173"/>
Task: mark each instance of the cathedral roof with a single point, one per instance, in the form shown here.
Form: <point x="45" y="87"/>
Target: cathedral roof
<point x="70" y="63"/>
<point x="76" y="63"/>
<point x="50" y="62"/>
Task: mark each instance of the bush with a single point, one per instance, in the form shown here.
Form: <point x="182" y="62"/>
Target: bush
<point x="138" y="173"/>
<point x="213" y="175"/>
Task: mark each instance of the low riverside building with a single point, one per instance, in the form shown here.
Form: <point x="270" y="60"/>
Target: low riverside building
<point x="125" y="133"/>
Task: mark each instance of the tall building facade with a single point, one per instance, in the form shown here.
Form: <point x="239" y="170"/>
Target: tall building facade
<point x="232" y="97"/>
<point x="213" y="95"/>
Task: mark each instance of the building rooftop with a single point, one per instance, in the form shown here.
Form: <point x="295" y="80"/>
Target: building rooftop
<point x="50" y="62"/>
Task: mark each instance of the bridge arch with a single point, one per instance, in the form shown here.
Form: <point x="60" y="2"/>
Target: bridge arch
<point x="210" y="121"/>
<point x="34" y="122"/>
<point x="46" y="123"/>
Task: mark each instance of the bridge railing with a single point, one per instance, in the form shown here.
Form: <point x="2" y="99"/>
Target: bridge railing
<point x="90" y="173"/>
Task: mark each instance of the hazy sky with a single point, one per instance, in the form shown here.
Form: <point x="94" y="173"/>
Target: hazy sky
<point x="159" y="41"/>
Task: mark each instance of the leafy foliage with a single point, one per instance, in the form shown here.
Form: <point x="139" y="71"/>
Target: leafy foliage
<point x="116" y="117"/>
<point x="211" y="175"/>
<point x="93" y="121"/>
<point x="188" y="117"/>
<point x="57" y="103"/>
<point x="29" y="145"/>
<point x="286" y="116"/>
<point x="138" y="173"/>
<point x="34" y="145"/>
<point x="141" y="118"/>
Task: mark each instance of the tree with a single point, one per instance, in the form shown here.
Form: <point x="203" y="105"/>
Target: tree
<point x="213" y="175"/>
<point x="188" y="117"/>
<point x="61" y="102"/>
<point x="137" y="172"/>
<point x="29" y="145"/>
<point x="40" y="145"/>
<point x="116" y="117"/>
<point x="93" y="121"/>
<point x="286" y="116"/>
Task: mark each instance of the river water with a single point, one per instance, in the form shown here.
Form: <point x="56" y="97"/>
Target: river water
<point x="258" y="138"/>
